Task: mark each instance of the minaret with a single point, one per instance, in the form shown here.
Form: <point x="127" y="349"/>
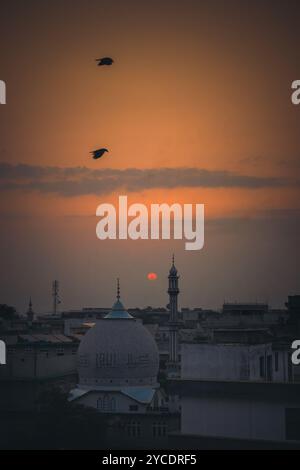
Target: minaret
<point x="173" y="292"/>
<point x="30" y="313"/>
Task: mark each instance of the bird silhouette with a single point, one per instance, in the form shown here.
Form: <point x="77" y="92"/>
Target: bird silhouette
<point x="104" y="61"/>
<point x="98" y="153"/>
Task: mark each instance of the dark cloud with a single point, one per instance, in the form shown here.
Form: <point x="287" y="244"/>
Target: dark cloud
<point x="77" y="181"/>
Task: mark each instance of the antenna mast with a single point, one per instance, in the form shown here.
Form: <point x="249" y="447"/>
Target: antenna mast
<point x="55" y="295"/>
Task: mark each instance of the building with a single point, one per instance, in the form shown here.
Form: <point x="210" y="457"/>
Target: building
<point x="35" y="363"/>
<point x="224" y="414"/>
<point x="118" y="364"/>
<point x="235" y="362"/>
<point x="237" y="390"/>
<point x="226" y="378"/>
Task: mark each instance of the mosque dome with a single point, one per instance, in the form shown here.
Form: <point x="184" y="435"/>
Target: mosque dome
<point x="118" y="352"/>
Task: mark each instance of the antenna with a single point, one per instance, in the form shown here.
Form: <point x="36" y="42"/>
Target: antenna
<point x="118" y="288"/>
<point x="55" y="295"/>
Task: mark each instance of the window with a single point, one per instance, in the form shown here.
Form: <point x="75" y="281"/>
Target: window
<point x="45" y="352"/>
<point x="60" y="352"/>
<point x="269" y="367"/>
<point x="133" y="407"/>
<point x="262" y="366"/>
<point x="159" y="429"/>
<point x="134" y="429"/>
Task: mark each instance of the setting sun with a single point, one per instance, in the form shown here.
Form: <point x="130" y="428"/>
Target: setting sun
<point x="152" y="276"/>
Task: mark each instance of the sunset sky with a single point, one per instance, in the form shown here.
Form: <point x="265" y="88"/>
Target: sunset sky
<point x="196" y="108"/>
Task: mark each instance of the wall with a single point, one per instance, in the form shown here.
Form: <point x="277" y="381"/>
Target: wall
<point x="211" y="361"/>
<point x="234" y="418"/>
<point x="31" y="363"/>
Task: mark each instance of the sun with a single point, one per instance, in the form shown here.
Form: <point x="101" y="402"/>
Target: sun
<point x="152" y="276"/>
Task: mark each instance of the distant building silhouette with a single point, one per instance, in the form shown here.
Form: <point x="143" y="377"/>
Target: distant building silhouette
<point x="30" y="312"/>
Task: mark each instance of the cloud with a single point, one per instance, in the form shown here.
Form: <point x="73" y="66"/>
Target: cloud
<point x="252" y="160"/>
<point x="78" y="181"/>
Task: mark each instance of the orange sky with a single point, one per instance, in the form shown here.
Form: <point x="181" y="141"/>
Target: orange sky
<point x="189" y="87"/>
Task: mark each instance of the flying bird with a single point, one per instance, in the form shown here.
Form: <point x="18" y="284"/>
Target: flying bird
<point x="98" y="153"/>
<point x="105" y="61"/>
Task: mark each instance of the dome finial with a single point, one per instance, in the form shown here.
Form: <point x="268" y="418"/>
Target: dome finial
<point x="173" y="259"/>
<point x="118" y="288"/>
<point x="118" y="310"/>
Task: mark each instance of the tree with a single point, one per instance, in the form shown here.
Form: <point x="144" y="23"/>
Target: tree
<point x="61" y="424"/>
<point x="7" y="312"/>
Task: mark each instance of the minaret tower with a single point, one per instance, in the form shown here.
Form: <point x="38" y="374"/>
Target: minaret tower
<point x="173" y="292"/>
<point x="30" y="313"/>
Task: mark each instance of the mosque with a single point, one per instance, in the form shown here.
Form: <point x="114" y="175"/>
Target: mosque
<point x="118" y="361"/>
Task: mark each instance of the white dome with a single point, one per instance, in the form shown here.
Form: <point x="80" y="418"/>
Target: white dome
<point x="118" y="352"/>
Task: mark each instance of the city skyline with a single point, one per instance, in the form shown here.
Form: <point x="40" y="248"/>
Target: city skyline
<point x="57" y="307"/>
